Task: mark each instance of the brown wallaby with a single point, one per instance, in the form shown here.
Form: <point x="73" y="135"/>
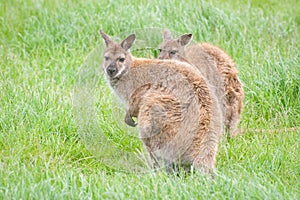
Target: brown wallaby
<point x="179" y="118"/>
<point x="200" y="55"/>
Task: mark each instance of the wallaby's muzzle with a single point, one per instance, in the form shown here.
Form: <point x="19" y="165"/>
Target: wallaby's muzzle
<point x="163" y="55"/>
<point x="112" y="70"/>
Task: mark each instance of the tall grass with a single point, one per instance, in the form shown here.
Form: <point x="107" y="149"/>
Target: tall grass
<point x="44" y="43"/>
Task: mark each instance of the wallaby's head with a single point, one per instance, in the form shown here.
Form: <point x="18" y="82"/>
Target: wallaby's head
<point x="117" y="56"/>
<point x="172" y="48"/>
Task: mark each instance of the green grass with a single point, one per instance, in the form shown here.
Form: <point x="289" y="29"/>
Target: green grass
<point x="43" y="153"/>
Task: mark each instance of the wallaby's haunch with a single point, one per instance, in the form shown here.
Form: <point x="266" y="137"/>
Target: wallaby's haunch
<point x="203" y="56"/>
<point x="179" y="119"/>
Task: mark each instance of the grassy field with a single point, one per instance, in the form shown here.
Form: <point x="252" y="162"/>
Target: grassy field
<point x="43" y="45"/>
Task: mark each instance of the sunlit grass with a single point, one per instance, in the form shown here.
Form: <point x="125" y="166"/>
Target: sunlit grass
<point x="43" y="44"/>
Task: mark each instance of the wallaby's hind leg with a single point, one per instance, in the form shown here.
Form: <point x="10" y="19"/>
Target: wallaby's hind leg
<point x="231" y="124"/>
<point x="158" y="119"/>
<point x="206" y="164"/>
<point x="206" y="159"/>
<point x="233" y="112"/>
<point x="231" y="127"/>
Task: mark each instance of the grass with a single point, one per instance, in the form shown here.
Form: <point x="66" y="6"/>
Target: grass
<point x="44" y="154"/>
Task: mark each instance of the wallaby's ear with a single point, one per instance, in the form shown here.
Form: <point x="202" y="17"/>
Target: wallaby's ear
<point x="167" y="35"/>
<point x="107" y="39"/>
<point x="185" y="39"/>
<point x="127" y="43"/>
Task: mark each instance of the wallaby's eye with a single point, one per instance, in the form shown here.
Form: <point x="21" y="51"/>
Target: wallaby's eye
<point x="173" y="52"/>
<point x="159" y="50"/>
<point x="121" y="59"/>
<point x="106" y="58"/>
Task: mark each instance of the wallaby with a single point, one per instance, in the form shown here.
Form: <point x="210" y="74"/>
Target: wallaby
<point x="201" y="54"/>
<point x="179" y="119"/>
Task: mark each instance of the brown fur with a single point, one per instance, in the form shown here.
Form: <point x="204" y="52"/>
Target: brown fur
<point x="233" y="87"/>
<point x="203" y="56"/>
<point x="179" y="117"/>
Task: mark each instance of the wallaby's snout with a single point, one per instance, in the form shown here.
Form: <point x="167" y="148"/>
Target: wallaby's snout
<point x="112" y="70"/>
<point x="163" y="54"/>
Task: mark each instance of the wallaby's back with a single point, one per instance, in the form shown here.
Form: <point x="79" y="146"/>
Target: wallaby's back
<point x="197" y="56"/>
<point x="233" y="87"/>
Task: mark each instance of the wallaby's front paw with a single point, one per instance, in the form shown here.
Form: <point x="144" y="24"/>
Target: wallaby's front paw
<point x="129" y="121"/>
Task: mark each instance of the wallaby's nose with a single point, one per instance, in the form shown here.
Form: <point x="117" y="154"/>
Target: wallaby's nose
<point x="162" y="56"/>
<point x="111" y="71"/>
